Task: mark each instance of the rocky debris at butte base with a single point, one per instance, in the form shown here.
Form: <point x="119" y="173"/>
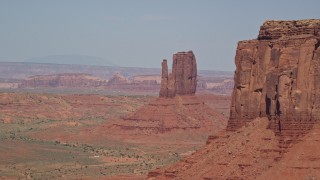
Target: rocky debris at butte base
<point x="277" y="76"/>
<point x="183" y="79"/>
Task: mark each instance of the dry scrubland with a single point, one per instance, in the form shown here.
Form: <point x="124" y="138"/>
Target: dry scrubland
<point x="47" y="136"/>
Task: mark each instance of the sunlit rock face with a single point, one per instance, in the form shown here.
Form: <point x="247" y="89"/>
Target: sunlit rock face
<point x="277" y="76"/>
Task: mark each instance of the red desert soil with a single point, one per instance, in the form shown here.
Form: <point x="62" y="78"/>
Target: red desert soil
<point x="301" y="162"/>
<point x="27" y="107"/>
<point x="252" y="152"/>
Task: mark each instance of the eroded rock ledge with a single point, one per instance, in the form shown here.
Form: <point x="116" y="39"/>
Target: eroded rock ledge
<point x="277" y="29"/>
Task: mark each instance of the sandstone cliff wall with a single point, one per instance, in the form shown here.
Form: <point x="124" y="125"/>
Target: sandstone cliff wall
<point x="277" y="76"/>
<point x="183" y="79"/>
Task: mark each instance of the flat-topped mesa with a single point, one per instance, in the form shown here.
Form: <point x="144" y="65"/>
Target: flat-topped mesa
<point x="70" y="80"/>
<point x="277" y="29"/>
<point x="278" y="76"/>
<point x="183" y="79"/>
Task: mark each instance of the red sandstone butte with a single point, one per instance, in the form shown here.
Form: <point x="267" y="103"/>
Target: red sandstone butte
<point x="183" y="79"/>
<point x="277" y="76"/>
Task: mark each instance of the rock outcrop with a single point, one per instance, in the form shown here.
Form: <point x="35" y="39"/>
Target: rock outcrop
<point x="277" y="29"/>
<point x="117" y="79"/>
<point x="277" y="76"/>
<point x="183" y="79"/>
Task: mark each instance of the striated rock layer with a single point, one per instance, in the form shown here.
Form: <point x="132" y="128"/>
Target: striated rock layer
<point x="62" y="80"/>
<point x="165" y="119"/>
<point x="183" y="79"/>
<point x="277" y="76"/>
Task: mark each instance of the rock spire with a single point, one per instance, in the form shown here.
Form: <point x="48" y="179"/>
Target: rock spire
<point x="183" y="79"/>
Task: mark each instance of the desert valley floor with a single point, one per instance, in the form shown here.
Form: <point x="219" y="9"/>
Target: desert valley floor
<point x="50" y="136"/>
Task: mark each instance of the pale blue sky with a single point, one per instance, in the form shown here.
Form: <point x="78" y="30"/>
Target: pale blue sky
<point x="139" y="32"/>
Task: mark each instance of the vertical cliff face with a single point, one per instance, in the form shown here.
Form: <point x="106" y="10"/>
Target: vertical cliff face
<point x="183" y="79"/>
<point x="277" y="76"/>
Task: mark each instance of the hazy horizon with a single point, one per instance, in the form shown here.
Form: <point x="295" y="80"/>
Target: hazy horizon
<point x="139" y="33"/>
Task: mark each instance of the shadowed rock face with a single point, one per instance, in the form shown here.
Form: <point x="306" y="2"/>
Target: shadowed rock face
<point x="277" y="76"/>
<point x="183" y="79"/>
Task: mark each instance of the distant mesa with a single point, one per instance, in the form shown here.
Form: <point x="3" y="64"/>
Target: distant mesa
<point x="72" y="59"/>
<point x="80" y="80"/>
<point x="117" y="79"/>
<point x="183" y="79"/>
<point x="87" y="81"/>
<point x="138" y="79"/>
